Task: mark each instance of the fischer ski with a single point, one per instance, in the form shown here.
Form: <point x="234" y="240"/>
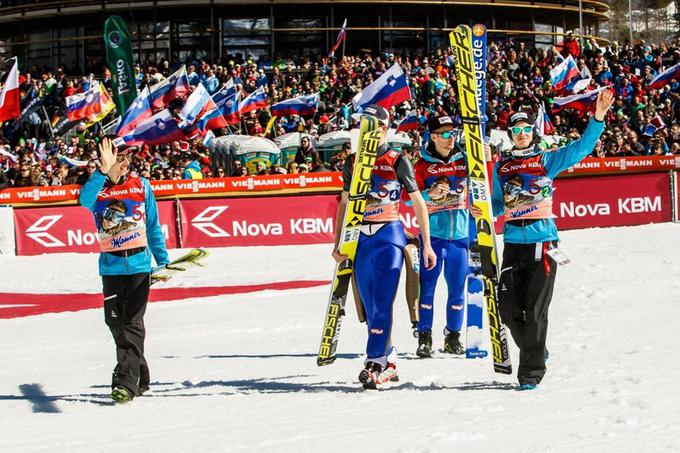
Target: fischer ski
<point x="181" y="264"/>
<point x="370" y="135"/>
<point x="461" y="41"/>
<point x="474" y="347"/>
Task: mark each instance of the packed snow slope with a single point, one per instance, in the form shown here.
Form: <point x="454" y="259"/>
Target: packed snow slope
<point x="237" y="373"/>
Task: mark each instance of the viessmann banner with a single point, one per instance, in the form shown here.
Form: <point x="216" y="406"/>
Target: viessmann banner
<point x="584" y="203"/>
<point x="71" y="229"/>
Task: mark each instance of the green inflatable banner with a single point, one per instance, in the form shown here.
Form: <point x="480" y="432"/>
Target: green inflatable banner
<point x="120" y="61"/>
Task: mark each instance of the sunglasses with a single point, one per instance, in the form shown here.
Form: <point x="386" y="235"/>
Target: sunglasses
<point x="517" y="129"/>
<point x="447" y="135"/>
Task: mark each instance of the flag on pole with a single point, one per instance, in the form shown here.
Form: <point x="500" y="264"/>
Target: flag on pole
<point x="389" y="89"/>
<point x="84" y="105"/>
<point x="563" y="73"/>
<point x="140" y="110"/>
<point x="411" y="122"/>
<point x="664" y="78"/>
<point x="10" y="104"/>
<point x="301" y="105"/>
<point x="255" y="100"/>
<point x="159" y="129"/>
<point x="582" y="103"/>
<point x="543" y="126"/>
<point x="341" y="37"/>
<point x="581" y="81"/>
<point x="106" y="105"/>
<point x="174" y="87"/>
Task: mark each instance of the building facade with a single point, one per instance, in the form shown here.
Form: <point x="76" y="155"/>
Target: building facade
<point x="69" y="32"/>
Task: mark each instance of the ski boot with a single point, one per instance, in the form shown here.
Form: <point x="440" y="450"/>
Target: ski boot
<point x="374" y="376"/>
<point x="452" y="344"/>
<point x="424" y="344"/>
<point x="121" y="394"/>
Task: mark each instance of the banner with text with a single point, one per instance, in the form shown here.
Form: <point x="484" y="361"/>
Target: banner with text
<point x="258" y="221"/>
<point x="71" y="229"/>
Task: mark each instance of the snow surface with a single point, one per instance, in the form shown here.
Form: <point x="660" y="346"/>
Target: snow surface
<point x="238" y="373"/>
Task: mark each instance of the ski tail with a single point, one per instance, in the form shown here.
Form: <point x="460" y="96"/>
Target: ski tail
<point x="192" y="258"/>
<point x="461" y="41"/>
<point x="370" y="136"/>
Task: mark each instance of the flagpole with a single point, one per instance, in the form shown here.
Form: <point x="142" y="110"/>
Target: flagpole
<point x="49" y="122"/>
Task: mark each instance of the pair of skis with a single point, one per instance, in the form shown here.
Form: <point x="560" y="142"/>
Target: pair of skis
<point x="470" y="106"/>
<point x="190" y="259"/>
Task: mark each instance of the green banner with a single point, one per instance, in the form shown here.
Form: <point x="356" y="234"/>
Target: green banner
<point x="120" y="61"/>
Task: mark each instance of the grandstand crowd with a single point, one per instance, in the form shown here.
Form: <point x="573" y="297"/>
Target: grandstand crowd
<point x="45" y="150"/>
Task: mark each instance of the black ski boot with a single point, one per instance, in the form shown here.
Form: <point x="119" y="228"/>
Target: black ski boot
<point x="424" y="344"/>
<point x="452" y="343"/>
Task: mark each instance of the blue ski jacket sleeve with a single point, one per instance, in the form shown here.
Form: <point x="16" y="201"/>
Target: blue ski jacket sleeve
<point x="554" y="163"/>
<point x="141" y="262"/>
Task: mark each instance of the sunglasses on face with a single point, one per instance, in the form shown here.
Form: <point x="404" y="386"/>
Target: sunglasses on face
<point x="517" y="129"/>
<point x="446" y="135"/>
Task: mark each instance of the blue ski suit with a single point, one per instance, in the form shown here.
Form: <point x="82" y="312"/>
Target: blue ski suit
<point x="449" y="231"/>
<point x="380" y="255"/>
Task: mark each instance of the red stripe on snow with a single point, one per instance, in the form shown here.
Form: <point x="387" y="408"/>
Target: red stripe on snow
<point x="37" y="304"/>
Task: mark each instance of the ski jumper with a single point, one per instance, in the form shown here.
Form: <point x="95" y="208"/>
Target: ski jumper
<point x="449" y="228"/>
<point x="522" y="191"/>
<point x="127" y="224"/>
<point x="380" y="255"/>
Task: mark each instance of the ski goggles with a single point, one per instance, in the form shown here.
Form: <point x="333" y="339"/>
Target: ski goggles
<point x="113" y="216"/>
<point x="517" y="129"/>
<point x="447" y="135"/>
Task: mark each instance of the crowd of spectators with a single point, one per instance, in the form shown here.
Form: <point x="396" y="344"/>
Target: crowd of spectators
<point x="517" y="79"/>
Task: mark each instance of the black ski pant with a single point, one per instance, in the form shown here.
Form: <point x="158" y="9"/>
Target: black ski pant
<point x="525" y="289"/>
<point x="125" y="298"/>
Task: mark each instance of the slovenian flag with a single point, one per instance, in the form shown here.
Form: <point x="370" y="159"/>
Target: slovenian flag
<point x="563" y="73"/>
<point x="197" y="105"/>
<point x="665" y="77"/>
<point x="410" y="123"/>
<point x="341" y="37"/>
<point x="583" y="102"/>
<point x="580" y="82"/>
<point x="10" y="104"/>
<point x="654" y="125"/>
<point x="388" y="90"/>
<point x="157" y="130"/>
<point x="174" y="87"/>
<point x="301" y="105"/>
<point x="139" y="111"/>
<point x="255" y="100"/>
<point x="84" y="105"/>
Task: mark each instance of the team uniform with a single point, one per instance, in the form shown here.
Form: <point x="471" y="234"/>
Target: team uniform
<point x="449" y="231"/>
<point x="126" y="217"/>
<point x="380" y="255"/>
<point x="523" y="193"/>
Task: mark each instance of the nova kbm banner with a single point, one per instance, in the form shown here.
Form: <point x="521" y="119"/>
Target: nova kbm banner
<point x="71" y="229"/>
<point x="258" y="221"/>
<point x="120" y="61"/>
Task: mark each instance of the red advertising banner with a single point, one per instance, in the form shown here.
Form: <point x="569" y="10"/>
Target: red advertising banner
<point x="601" y="201"/>
<point x="71" y="229"/>
<point x="258" y="221"/>
<point x="606" y="201"/>
<point x="619" y="165"/>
